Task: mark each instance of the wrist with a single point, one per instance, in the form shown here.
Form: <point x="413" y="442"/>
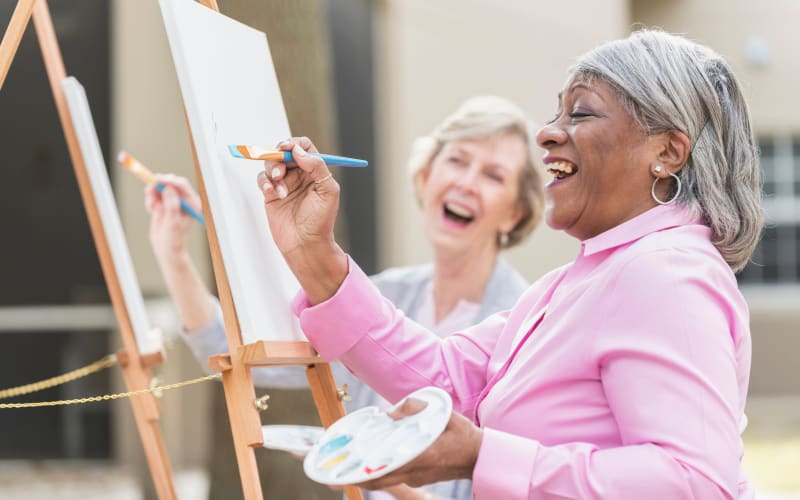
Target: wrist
<point x="174" y="260"/>
<point x="320" y="269"/>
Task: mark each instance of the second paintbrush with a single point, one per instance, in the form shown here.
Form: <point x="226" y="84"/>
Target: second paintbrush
<point x="147" y="176"/>
<point x="259" y="153"/>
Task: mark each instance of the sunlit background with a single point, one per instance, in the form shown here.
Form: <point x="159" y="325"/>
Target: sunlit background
<point x="362" y="78"/>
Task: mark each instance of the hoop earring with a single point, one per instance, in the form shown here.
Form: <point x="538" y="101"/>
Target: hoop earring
<point x="674" y="197"/>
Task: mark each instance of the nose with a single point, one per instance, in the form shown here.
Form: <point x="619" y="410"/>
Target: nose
<point x="468" y="180"/>
<point x="551" y="135"/>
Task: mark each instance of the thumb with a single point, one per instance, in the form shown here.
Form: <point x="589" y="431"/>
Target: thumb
<point x="409" y="406"/>
<point x="171" y="198"/>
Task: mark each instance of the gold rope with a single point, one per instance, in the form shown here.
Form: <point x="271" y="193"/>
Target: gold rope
<point x="107" y="397"/>
<point x="102" y="364"/>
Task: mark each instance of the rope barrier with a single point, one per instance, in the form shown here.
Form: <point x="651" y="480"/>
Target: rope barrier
<point x="107" y="397"/>
<point x="102" y="364"/>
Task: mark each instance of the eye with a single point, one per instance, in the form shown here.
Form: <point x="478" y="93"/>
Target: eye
<point x="495" y="176"/>
<point x="455" y="160"/>
<point x="577" y="115"/>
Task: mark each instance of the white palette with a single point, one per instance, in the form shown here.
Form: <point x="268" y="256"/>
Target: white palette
<point x="368" y="444"/>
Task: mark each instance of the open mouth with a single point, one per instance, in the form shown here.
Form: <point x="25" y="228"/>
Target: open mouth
<point x="561" y="169"/>
<point x="458" y="214"/>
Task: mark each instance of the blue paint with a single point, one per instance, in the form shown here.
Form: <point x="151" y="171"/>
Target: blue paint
<point x="334" y="445"/>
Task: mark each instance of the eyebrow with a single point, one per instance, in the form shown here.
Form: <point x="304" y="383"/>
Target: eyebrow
<point x="462" y="150"/>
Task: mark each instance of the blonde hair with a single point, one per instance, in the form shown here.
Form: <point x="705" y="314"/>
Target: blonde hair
<point x="670" y="83"/>
<point x="477" y="118"/>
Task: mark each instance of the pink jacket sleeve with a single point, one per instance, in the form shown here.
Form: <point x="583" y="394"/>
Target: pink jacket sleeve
<point x="391" y="353"/>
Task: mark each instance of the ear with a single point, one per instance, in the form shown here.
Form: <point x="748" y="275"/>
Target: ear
<point x="675" y="148"/>
<point x="517" y="212"/>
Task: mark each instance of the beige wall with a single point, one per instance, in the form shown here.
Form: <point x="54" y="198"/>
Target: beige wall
<point x="430" y="56"/>
<point x="726" y="26"/>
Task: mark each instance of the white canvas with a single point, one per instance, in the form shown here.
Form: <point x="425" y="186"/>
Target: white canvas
<point x="231" y="96"/>
<point x="148" y="340"/>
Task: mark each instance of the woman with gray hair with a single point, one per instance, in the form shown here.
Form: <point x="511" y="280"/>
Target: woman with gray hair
<point x="622" y="375"/>
<point x="477" y="183"/>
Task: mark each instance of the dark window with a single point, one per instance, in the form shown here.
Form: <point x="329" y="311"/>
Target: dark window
<point x="777" y="257"/>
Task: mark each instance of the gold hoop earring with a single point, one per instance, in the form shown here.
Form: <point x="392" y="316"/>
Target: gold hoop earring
<point x="674" y="197"/>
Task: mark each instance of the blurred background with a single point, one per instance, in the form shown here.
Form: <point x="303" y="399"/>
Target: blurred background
<point x="362" y="78"/>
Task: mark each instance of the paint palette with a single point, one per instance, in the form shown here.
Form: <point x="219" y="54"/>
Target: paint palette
<point x="368" y="444"/>
<point x="297" y="439"/>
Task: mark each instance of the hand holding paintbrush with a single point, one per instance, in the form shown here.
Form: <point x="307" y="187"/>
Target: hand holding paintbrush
<point x="149" y="178"/>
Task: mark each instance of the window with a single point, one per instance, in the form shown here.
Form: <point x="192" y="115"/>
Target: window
<point x="776" y="258"/>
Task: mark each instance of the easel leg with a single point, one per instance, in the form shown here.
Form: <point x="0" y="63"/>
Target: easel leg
<point x="145" y="413"/>
<point x="13" y="35"/>
<point x="323" y="388"/>
<point x="239" y="397"/>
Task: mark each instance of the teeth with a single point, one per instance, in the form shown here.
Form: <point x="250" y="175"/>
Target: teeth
<point x="561" y="169"/>
<point x="562" y="166"/>
<point x="458" y="210"/>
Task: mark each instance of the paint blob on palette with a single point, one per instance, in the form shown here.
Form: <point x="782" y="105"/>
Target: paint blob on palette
<point x="297" y="439"/>
<point x="368" y="444"/>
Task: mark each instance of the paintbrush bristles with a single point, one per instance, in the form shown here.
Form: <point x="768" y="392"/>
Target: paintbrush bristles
<point x="135" y="167"/>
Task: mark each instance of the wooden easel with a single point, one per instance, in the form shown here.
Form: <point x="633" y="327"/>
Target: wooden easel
<point x="240" y="396"/>
<point x="135" y="367"/>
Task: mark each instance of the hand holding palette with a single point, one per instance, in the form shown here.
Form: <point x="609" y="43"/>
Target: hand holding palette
<point x="368" y="443"/>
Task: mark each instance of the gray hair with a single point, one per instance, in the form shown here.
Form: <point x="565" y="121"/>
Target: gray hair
<point x="670" y="83"/>
<point x="477" y="118"/>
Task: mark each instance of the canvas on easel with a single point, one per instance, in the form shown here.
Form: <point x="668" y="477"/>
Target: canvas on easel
<point x="141" y="348"/>
<point x="231" y="96"/>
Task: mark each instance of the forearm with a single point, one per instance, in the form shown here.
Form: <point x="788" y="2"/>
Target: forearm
<point x="195" y="304"/>
<point x="320" y="269"/>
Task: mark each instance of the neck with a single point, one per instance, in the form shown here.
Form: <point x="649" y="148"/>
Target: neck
<point x="461" y="276"/>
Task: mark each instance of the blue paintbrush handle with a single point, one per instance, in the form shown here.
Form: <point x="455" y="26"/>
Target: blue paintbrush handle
<point x="330" y="160"/>
<point x="186" y="207"/>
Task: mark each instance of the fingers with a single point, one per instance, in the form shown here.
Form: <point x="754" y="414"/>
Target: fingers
<point x="268" y="190"/>
<point x="172" y="202"/>
<point x="303" y="142"/>
<point x="150" y="198"/>
<point x="311" y="164"/>
<point x="410" y="406"/>
<point x="275" y="170"/>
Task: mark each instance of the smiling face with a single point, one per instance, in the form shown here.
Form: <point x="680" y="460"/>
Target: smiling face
<point x="600" y="159"/>
<point x="470" y="192"/>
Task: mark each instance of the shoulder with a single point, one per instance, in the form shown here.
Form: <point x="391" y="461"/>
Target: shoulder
<point x="679" y="254"/>
<point x="398" y="282"/>
<point x="504" y="288"/>
<point x="505" y="274"/>
<point x="678" y="269"/>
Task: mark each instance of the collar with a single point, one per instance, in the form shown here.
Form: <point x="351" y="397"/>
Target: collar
<point x="656" y="219"/>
